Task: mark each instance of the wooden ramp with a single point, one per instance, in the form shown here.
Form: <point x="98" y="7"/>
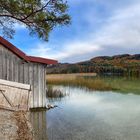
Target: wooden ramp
<point x="14" y="96"/>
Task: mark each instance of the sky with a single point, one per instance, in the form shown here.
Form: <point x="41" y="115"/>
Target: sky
<point x="98" y="28"/>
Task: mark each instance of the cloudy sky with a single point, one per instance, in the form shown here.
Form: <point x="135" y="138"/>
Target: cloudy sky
<point x="99" y="27"/>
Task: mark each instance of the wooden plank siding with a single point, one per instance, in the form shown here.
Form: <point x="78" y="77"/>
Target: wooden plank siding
<point x="13" y="68"/>
<point x="14" y="96"/>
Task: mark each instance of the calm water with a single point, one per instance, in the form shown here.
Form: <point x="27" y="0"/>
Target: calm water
<point x="90" y="115"/>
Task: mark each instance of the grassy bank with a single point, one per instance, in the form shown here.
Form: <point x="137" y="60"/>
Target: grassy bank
<point x="90" y="81"/>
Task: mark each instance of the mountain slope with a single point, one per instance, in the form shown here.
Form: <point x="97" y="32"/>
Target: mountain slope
<point x="119" y="64"/>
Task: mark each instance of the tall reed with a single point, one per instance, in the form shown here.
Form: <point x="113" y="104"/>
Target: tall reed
<point x="80" y="81"/>
<point x="54" y="93"/>
<point x="90" y="81"/>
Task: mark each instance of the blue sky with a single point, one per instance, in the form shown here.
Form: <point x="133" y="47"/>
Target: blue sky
<point x="99" y="27"/>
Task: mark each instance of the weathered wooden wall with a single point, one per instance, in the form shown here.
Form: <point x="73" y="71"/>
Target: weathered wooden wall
<point x="14" y="96"/>
<point x="13" y="68"/>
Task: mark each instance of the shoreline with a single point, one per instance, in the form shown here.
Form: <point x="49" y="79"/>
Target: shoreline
<point x="15" y="125"/>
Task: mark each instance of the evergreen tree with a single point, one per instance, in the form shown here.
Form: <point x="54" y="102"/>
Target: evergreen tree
<point x="39" y="16"/>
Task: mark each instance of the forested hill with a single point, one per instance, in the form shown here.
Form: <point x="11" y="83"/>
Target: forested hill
<point x="119" y="64"/>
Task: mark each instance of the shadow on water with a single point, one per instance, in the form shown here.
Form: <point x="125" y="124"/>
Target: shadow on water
<point x="39" y="124"/>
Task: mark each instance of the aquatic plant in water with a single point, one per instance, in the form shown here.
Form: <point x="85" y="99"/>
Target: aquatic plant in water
<point x="54" y="93"/>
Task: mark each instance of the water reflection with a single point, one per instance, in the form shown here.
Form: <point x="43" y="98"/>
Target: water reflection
<point x="39" y="123"/>
<point x="89" y="115"/>
<point x="94" y="115"/>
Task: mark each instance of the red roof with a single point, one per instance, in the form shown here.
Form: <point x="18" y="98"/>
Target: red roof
<point x="22" y="55"/>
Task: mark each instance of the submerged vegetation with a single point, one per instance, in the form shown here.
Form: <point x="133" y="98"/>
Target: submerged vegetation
<point x="54" y="93"/>
<point x="122" y="84"/>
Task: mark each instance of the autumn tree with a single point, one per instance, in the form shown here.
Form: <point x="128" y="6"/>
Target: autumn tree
<point x="38" y="16"/>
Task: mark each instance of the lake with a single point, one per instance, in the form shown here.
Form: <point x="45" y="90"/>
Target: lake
<point x="89" y="115"/>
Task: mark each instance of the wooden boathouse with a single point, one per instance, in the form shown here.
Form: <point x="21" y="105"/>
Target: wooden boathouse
<point x="16" y="66"/>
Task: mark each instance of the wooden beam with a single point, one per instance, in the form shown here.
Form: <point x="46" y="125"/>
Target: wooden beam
<point x="15" y="84"/>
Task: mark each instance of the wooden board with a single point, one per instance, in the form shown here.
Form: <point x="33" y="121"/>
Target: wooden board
<point x="14" y="97"/>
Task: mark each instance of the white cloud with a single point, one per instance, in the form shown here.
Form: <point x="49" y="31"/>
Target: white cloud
<point x="19" y="26"/>
<point x="41" y="50"/>
<point x="69" y="50"/>
<point x="122" y="29"/>
<point x="119" y="34"/>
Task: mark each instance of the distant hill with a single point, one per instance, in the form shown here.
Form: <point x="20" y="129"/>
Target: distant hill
<point x="125" y="64"/>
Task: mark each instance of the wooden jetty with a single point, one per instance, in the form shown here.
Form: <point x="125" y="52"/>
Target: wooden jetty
<point x="18" y="67"/>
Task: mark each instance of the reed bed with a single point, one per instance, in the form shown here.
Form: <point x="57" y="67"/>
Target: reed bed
<point x="54" y="93"/>
<point x="91" y="81"/>
<point x="79" y="80"/>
